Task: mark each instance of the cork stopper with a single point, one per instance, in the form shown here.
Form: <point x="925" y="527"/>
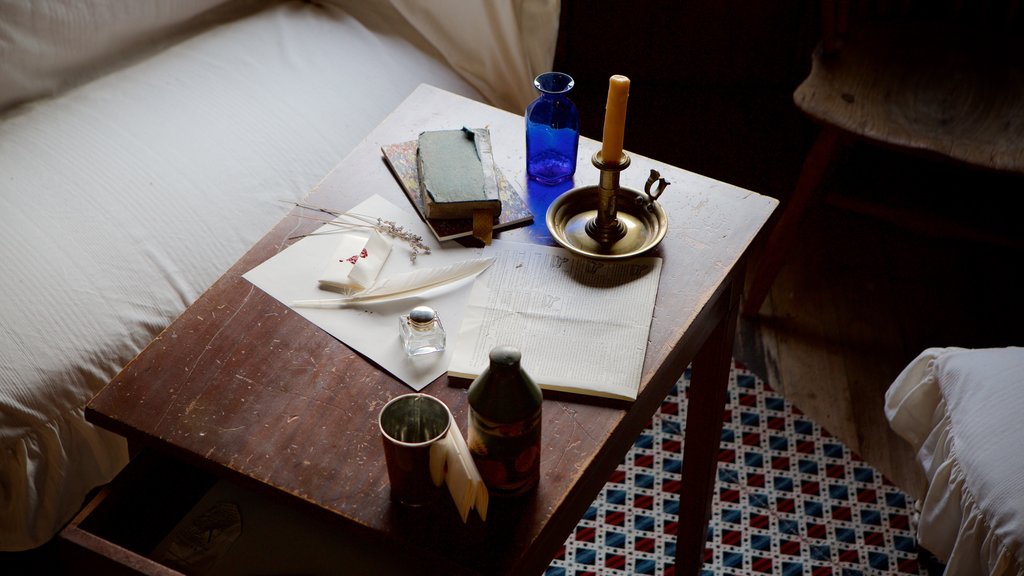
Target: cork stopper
<point x="505" y="356"/>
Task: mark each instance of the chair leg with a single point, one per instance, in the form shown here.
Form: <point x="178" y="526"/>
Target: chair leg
<point x="783" y="234"/>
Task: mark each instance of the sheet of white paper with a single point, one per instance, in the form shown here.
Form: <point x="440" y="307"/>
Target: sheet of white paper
<point x="581" y="324"/>
<point x="372" y="328"/>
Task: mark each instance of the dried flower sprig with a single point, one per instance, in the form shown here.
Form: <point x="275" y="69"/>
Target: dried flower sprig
<point x="386" y="227"/>
<point x="415" y="241"/>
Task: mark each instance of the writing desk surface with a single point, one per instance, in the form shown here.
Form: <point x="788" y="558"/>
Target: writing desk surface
<point x="241" y="385"/>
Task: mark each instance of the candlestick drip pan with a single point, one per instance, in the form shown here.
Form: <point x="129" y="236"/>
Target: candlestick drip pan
<point x="642" y="217"/>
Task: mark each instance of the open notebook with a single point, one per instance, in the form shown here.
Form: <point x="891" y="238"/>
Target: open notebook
<point x="581" y="324"/>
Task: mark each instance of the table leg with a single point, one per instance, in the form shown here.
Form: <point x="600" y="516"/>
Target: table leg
<point x="709" y="379"/>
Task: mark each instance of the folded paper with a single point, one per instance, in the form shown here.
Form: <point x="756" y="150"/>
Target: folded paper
<point x="356" y="262"/>
<point x="451" y="463"/>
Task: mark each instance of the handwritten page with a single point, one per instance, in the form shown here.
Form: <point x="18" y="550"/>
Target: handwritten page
<point x="581" y="324"/>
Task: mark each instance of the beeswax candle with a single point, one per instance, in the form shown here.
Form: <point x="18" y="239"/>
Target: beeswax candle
<point x="614" y="119"/>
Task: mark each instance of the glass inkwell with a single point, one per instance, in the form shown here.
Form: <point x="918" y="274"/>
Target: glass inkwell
<point x="422" y="332"/>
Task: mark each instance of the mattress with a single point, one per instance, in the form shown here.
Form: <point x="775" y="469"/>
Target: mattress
<point x="960" y="410"/>
<point x="123" y="199"/>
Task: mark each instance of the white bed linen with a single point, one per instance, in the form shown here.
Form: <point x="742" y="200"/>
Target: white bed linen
<point x="124" y="199"/>
<point x="47" y="46"/>
<point x="962" y="411"/>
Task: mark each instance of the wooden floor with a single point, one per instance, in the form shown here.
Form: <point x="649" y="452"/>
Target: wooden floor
<point x="904" y="254"/>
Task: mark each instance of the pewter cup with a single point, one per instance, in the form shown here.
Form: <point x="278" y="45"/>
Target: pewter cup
<point x="412" y="427"/>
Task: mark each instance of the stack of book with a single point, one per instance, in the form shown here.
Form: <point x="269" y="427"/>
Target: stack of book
<point x="450" y="178"/>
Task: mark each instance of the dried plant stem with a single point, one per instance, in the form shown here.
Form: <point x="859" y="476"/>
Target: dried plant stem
<point x="386" y="227"/>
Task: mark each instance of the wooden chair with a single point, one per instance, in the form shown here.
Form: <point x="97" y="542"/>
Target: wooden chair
<point x="942" y="78"/>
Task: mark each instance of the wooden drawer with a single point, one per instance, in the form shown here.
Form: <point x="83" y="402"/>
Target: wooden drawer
<point x="117" y="531"/>
<point x="132" y="519"/>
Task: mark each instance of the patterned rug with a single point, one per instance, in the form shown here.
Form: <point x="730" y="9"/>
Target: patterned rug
<point x="790" y="500"/>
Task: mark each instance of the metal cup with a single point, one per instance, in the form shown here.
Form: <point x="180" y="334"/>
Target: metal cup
<point x="413" y="427"/>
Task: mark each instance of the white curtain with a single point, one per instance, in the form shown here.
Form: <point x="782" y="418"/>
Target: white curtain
<point x="498" y="46"/>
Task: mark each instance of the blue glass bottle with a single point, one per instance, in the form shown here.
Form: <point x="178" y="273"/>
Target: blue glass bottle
<point x="552" y="130"/>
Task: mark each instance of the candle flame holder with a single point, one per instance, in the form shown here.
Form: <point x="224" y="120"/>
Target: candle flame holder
<point x="609" y="221"/>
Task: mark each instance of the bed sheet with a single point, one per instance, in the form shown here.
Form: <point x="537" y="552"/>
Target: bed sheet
<point x="960" y="410"/>
<point x="122" y="200"/>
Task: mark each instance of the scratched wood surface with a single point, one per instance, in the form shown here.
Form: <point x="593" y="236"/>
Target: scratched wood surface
<point x="242" y="386"/>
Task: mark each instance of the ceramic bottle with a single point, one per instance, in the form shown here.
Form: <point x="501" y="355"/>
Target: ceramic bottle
<point x="505" y="424"/>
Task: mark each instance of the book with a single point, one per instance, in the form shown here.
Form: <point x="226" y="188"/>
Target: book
<point x="401" y="160"/>
<point x="456" y="172"/>
<point x="582" y="325"/>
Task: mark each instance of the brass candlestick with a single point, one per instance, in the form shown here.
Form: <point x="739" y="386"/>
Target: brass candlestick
<point x="609" y="221"/>
<point x="605" y="227"/>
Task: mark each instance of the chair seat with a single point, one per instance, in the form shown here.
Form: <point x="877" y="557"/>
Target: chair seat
<point x="957" y="92"/>
<point x="961" y="411"/>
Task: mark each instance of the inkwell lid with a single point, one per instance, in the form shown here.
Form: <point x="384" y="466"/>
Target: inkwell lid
<point x="421" y="317"/>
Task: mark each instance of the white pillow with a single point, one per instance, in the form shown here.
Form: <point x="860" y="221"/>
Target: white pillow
<point x="961" y="410"/>
<point x="47" y="46"/>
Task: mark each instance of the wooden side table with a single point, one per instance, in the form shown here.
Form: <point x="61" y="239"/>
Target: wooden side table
<point x="241" y="386"/>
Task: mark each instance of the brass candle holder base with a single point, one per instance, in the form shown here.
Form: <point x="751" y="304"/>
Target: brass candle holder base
<point x="609" y="221"/>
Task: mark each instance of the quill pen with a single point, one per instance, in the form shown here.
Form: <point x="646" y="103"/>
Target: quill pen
<point x="403" y="285"/>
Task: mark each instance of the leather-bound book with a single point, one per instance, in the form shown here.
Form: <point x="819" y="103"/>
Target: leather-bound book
<point x="456" y="173"/>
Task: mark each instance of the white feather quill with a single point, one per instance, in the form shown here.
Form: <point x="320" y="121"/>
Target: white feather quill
<point x="403" y="285"/>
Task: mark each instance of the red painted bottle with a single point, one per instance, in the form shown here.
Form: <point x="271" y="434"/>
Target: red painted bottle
<point x="505" y="425"/>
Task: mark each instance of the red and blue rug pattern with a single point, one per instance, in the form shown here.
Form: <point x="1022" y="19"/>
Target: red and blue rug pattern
<point x="790" y="500"/>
